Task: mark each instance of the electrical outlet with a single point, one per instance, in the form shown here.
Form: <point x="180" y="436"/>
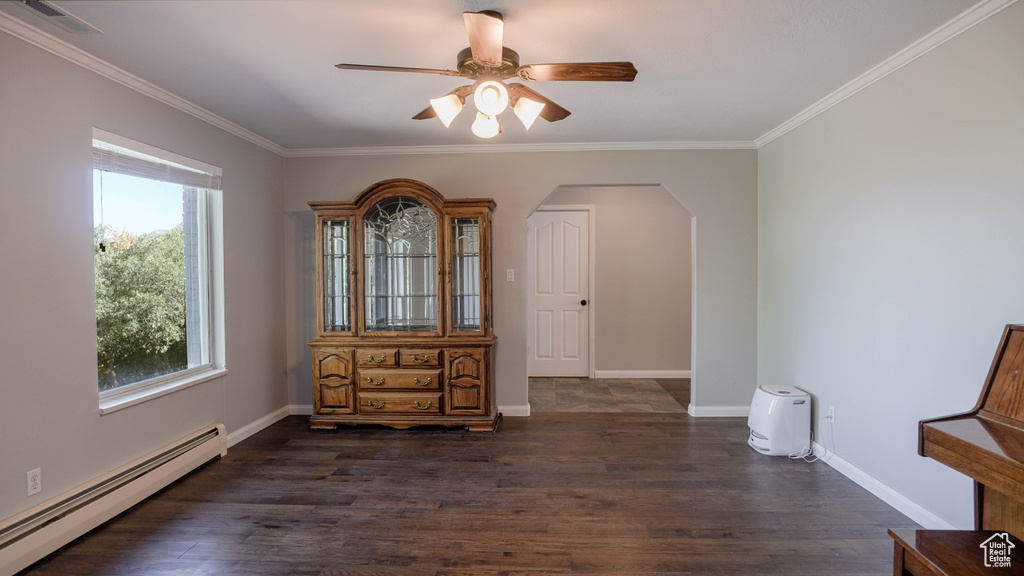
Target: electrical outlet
<point x="510" y="275"/>
<point x="832" y="414"/>
<point x="35" y="481"/>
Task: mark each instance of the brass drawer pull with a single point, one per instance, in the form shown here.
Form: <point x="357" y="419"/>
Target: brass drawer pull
<point x="417" y="382"/>
<point x="426" y="358"/>
<point x="377" y="383"/>
<point x="378" y="407"/>
<point x="383" y="357"/>
<point x="416" y="404"/>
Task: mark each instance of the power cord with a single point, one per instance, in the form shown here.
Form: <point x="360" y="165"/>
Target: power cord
<point x="807" y="453"/>
<point x="832" y="432"/>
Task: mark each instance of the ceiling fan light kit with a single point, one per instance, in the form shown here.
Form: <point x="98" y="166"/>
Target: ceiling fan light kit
<point x="447" y="108"/>
<point x="489" y="63"/>
<point x="491" y="97"/>
<point x="527" y="110"/>
<point x="486" y="126"/>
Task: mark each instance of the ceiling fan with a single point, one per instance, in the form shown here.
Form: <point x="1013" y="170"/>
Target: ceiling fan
<point x="489" y="64"/>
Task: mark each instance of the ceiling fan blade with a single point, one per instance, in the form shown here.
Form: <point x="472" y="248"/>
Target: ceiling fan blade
<point x="485" y="30"/>
<point x="397" y="69"/>
<point x="583" y="71"/>
<point x="552" y="112"/>
<point x="429" y="112"/>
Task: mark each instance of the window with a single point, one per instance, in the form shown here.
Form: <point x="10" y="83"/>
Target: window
<point x="158" y="266"/>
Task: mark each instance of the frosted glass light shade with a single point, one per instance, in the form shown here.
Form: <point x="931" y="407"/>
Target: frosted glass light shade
<point x="447" y="108"/>
<point x="491" y="98"/>
<point x="527" y="110"/>
<point x="486" y="126"/>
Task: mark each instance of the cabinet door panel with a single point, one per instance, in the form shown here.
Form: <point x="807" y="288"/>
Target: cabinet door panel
<point x="467" y="381"/>
<point x="333" y="391"/>
<point x="466" y="275"/>
<point x="333" y="365"/>
<point x="336" y="272"/>
<point x="466" y="398"/>
<point x="335" y="399"/>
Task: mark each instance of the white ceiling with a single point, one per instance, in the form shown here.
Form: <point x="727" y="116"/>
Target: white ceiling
<point x="709" y="70"/>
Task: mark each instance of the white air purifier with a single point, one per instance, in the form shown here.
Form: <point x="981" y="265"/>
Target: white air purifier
<point x="780" y="421"/>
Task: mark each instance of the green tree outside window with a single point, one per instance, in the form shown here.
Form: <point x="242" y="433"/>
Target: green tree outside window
<point x="140" y="305"/>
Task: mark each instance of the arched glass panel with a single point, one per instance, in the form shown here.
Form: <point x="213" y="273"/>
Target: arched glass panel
<point x="401" y="266"/>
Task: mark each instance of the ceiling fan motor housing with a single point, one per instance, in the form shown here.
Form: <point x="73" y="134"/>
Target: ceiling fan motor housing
<point x="470" y="67"/>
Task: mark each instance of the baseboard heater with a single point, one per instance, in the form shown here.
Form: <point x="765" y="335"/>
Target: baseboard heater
<point x="39" y="531"/>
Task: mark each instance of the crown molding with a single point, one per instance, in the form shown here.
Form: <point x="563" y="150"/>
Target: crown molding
<point x="56" y="46"/>
<point x="504" y="148"/>
<point x="954" y="27"/>
<point x="934" y="39"/>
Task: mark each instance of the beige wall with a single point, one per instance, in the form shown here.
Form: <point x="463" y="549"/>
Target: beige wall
<point x="717" y="186"/>
<point x="891" y="254"/>
<point x="49" y="416"/>
<point x="870" y="256"/>
<point x="641" y="297"/>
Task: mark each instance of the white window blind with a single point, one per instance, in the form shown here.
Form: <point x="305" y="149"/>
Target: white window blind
<point x="111" y="158"/>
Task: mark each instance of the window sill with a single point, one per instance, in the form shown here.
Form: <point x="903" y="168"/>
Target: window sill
<point x="116" y="402"/>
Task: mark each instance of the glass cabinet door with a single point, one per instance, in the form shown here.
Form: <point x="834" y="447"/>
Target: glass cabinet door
<point x="337" y="276"/>
<point x="466" y="274"/>
<point x="401" y="267"/>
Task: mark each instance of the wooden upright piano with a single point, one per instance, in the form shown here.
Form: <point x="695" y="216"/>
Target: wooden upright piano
<point x="986" y="444"/>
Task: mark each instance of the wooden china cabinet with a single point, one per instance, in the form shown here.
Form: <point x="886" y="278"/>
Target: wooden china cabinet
<point x="403" y="292"/>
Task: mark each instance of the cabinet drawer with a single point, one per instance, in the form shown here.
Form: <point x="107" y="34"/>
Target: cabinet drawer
<point x="412" y="358"/>
<point x="377" y="357"/>
<point x="418" y="403"/>
<point x="399" y="379"/>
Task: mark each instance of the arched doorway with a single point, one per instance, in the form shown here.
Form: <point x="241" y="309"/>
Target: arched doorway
<point x="639" y="303"/>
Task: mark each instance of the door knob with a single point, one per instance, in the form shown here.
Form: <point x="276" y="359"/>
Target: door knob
<point x="583" y="302"/>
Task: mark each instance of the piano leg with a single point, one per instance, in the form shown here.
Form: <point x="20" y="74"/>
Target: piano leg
<point x="997" y="511"/>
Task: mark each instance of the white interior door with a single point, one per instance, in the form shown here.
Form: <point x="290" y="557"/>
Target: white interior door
<point x="558" y="248"/>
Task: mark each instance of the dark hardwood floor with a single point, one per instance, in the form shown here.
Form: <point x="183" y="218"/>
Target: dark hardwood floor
<point x="608" y="395"/>
<point x="555" y="493"/>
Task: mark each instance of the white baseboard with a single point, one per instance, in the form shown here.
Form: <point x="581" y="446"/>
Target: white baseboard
<point x="906" y="506"/>
<point x="33" y="534"/>
<point x="300" y="409"/>
<point x="254" y="427"/>
<point x="514" y="411"/>
<point x="646" y="374"/>
<point x="718" y="411"/>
